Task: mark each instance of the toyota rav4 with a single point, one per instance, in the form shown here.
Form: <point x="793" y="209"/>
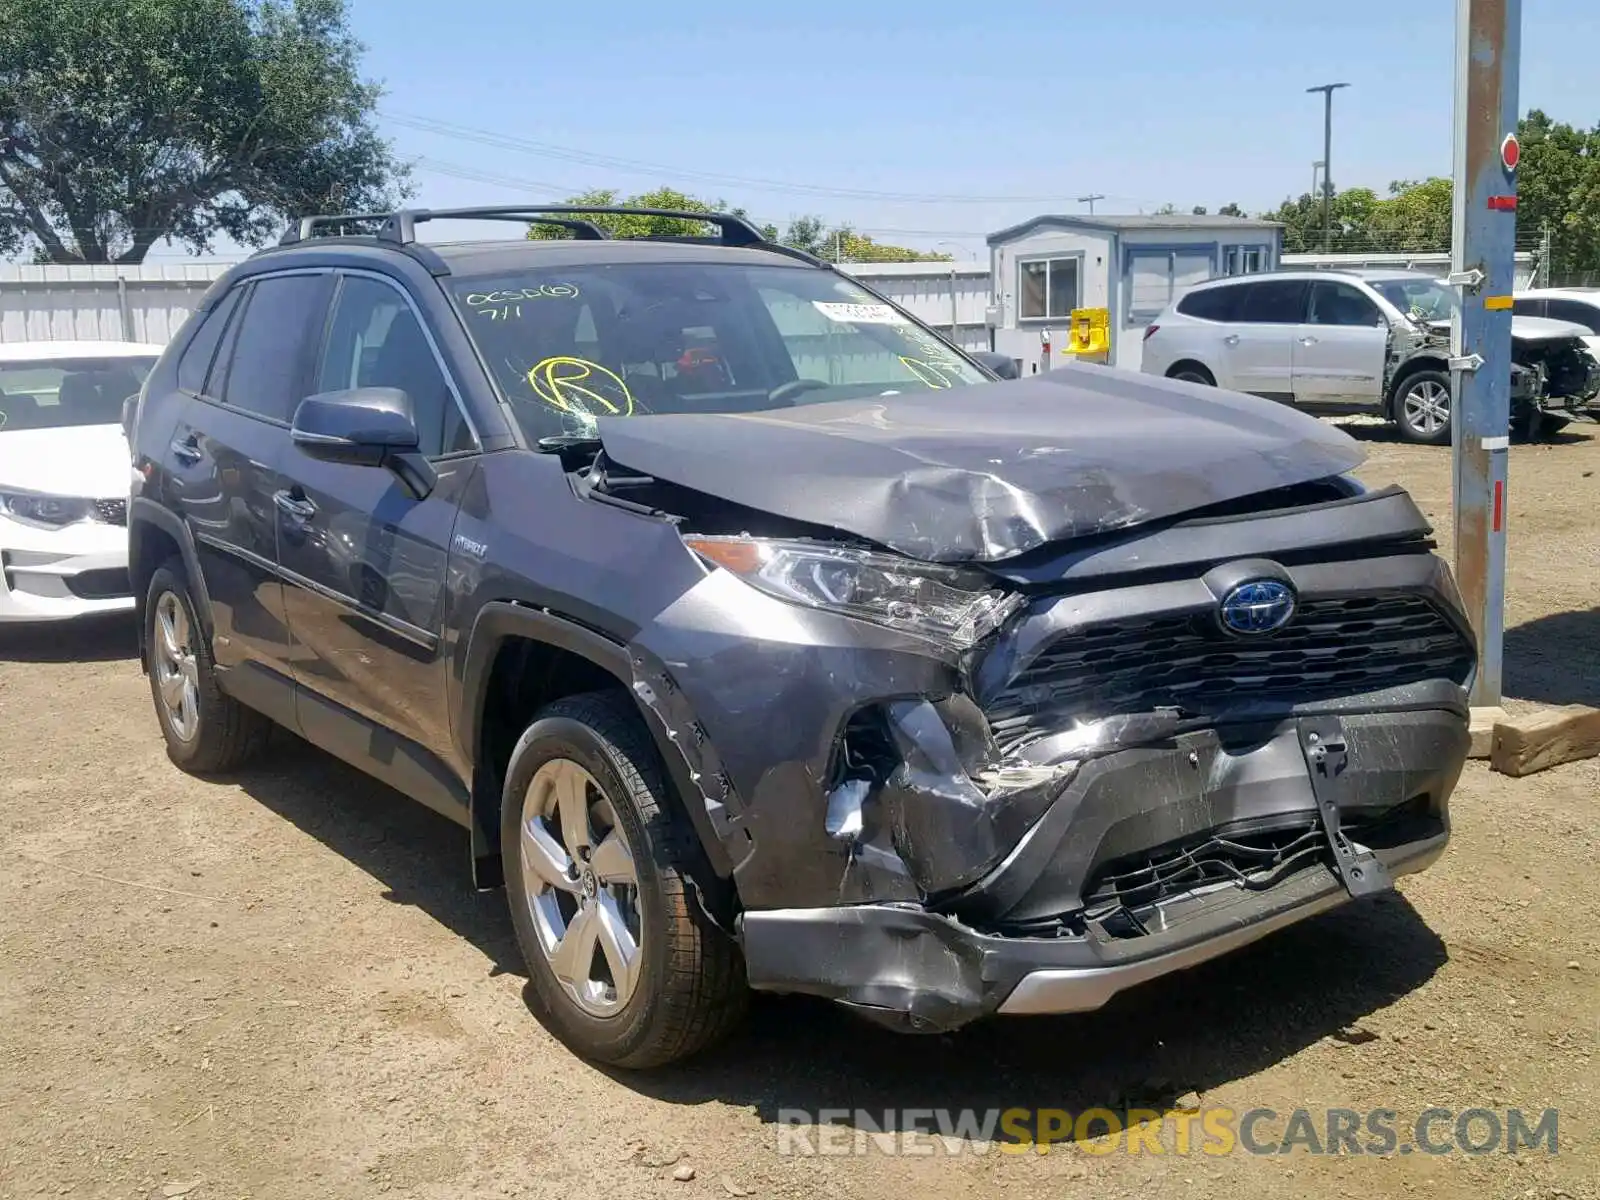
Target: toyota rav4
<point x="761" y="639"/>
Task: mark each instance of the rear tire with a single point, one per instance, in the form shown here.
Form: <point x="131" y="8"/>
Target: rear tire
<point x="1192" y="373"/>
<point x="1422" y="408"/>
<point x="626" y="967"/>
<point x="206" y="730"/>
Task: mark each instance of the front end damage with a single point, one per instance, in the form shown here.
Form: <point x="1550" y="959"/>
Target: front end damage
<point x="1553" y="371"/>
<point x="1560" y="378"/>
<point x="1108" y="788"/>
<point x="1085" y="780"/>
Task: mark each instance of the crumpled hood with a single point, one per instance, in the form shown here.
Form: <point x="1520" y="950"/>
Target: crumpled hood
<point x="987" y="472"/>
<point x="81" y="460"/>
<point x="1530" y="329"/>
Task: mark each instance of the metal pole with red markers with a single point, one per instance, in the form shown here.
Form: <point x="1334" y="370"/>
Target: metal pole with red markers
<point x="1488" y="56"/>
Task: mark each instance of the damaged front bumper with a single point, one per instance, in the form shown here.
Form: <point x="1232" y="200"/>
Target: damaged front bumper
<point x="1150" y="860"/>
<point x="931" y="838"/>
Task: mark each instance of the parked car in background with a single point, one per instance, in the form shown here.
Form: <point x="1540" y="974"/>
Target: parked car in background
<point x="1365" y="341"/>
<point x="64" y="470"/>
<point x="1576" y="306"/>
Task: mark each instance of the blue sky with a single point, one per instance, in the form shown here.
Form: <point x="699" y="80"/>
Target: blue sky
<point x="1028" y="103"/>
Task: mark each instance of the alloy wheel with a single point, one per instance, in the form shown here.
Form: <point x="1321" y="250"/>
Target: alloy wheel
<point x="1427" y="406"/>
<point x="582" y="887"/>
<point x="177" y="672"/>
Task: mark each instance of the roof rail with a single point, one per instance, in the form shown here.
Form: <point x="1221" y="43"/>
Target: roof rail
<point x="401" y="226"/>
<point x="310" y="227"/>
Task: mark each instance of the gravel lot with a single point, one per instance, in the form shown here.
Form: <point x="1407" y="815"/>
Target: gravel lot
<point x="282" y="985"/>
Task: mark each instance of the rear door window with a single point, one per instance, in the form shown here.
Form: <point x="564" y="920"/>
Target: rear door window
<point x="268" y="371"/>
<point x="1272" y="302"/>
<point x="1211" y="304"/>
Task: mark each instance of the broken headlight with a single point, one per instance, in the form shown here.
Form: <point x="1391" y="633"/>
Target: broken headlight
<point x="947" y="604"/>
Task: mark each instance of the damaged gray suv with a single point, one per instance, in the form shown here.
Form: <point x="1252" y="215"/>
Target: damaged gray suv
<point x="760" y="639"/>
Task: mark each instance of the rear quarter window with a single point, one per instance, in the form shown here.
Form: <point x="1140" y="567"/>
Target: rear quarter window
<point x="1210" y="304"/>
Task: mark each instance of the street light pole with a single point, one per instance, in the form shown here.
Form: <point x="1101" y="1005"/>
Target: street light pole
<point x="1327" y="90"/>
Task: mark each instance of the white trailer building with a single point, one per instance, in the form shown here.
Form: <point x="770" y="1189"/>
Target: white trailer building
<point x="1131" y="265"/>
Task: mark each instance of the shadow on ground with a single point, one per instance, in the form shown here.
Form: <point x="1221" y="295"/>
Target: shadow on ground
<point x="1367" y="429"/>
<point x="1196" y="1030"/>
<point x="420" y="857"/>
<point x="1555" y="659"/>
<point x="91" y="639"/>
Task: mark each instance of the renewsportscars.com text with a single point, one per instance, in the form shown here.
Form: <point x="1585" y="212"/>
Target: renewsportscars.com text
<point x="1209" y="1131"/>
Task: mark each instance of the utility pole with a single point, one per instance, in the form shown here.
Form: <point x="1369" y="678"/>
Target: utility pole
<point x="1089" y="200"/>
<point x="1547" y="275"/>
<point x="1488" y="58"/>
<point x="1327" y="90"/>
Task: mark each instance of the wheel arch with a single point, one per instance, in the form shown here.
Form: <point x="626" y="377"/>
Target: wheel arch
<point x="1191" y="364"/>
<point x="156" y="534"/>
<point x="520" y="658"/>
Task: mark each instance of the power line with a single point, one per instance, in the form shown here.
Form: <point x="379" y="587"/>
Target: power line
<point x="640" y="167"/>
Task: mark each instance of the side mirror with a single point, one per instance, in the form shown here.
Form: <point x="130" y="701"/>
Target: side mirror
<point x="1002" y="365"/>
<point x="364" y="427"/>
<point x="130" y="410"/>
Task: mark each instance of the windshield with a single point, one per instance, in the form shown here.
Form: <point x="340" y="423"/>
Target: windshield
<point x="630" y="339"/>
<point x="1424" y="299"/>
<point x="55" y="393"/>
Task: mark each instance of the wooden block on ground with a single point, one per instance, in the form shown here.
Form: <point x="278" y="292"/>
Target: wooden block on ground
<point x="1483" y="722"/>
<point x="1523" y="745"/>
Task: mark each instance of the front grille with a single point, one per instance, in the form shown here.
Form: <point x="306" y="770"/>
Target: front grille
<point x="1330" y="648"/>
<point x="1256" y="860"/>
<point x="111" y="512"/>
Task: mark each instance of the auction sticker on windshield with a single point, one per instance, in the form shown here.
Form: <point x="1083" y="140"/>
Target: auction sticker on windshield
<point x="859" y="314"/>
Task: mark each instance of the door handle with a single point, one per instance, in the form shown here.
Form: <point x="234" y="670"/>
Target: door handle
<point x="295" y="506"/>
<point x="186" y="449"/>
<point x="1231" y="340"/>
<point x="1308" y="340"/>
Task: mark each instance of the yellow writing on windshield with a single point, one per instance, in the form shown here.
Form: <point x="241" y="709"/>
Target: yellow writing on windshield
<point x="928" y="373"/>
<point x="576" y="385"/>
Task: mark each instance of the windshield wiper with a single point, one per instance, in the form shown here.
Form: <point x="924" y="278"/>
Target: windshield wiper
<point x="557" y="443"/>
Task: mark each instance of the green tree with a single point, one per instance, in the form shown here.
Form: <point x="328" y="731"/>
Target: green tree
<point x="808" y="233"/>
<point x="1558" y="187"/>
<point x="128" y="122"/>
<point x="630" y="226"/>
<point x="1230" y="210"/>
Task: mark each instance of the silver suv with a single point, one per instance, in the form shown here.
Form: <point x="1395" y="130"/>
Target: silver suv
<point x="1360" y="341"/>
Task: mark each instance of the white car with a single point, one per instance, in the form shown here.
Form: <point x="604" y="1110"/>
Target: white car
<point x="1361" y="342"/>
<point x="1577" y="306"/>
<point x="64" y="473"/>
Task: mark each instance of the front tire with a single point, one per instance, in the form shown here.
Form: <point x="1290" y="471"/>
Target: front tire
<point x="1423" y="409"/>
<point x="206" y="730"/>
<point x="626" y="967"/>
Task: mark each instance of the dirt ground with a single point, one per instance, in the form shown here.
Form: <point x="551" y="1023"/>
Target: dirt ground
<point x="282" y="985"/>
